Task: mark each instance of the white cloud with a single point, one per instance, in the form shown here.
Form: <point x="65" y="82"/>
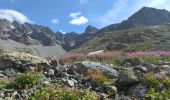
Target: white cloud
<point x="75" y="15"/>
<point x="78" y="19"/>
<point x="12" y="15"/>
<point x="55" y="21"/>
<point x="83" y="1"/>
<point x="111" y="16"/>
<point x="122" y="9"/>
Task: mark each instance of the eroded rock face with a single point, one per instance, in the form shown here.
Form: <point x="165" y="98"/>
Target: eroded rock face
<point x="21" y="61"/>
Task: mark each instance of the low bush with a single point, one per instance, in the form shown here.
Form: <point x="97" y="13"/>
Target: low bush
<point x="24" y="81"/>
<point x="158" y="87"/>
<point x="97" y="77"/>
<point x="64" y="93"/>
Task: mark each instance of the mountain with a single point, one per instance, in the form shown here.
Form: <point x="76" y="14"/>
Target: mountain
<point x="70" y="40"/>
<point x="74" y="40"/>
<point x="137" y="29"/>
<point x="146" y="16"/>
<point x="147" y="29"/>
<point x="91" y="29"/>
<point x="36" y="39"/>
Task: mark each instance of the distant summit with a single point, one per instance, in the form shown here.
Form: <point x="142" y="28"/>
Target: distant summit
<point x="146" y="16"/>
<point x="91" y="29"/>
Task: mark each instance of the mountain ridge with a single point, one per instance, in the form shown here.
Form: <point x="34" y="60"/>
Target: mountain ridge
<point x="31" y="34"/>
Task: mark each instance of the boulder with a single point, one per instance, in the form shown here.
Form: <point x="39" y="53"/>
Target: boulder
<point x="141" y="68"/>
<point x="127" y="77"/>
<point x="137" y="91"/>
<point x="107" y="69"/>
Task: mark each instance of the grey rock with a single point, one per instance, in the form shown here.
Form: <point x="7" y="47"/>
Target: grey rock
<point x="24" y="94"/>
<point x="165" y="67"/>
<point x="127" y="77"/>
<point x="138" y="91"/>
<point x="10" y="72"/>
<point x="2" y="94"/>
<point x="111" y="90"/>
<point x="107" y="69"/>
<point x="141" y="68"/>
<point x="46" y="83"/>
<point x="70" y="83"/>
<point x="51" y="72"/>
<point x="16" y="95"/>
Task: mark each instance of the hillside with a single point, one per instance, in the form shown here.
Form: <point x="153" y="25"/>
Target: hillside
<point x="145" y="38"/>
<point x="147" y="29"/>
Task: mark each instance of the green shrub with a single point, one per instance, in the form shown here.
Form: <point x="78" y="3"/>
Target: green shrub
<point x="97" y="77"/>
<point x="25" y="81"/>
<point x="158" y="89"/>
<point x="63" y="93"/>
<point x="3" y="85"/>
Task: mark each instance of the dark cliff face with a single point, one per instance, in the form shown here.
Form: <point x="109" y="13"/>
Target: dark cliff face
<point x="27" y="33"/>
<point x="74" y="40"/>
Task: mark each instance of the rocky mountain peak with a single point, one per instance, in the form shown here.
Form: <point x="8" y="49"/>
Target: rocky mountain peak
<point x="149" y="16"/>
<point x="91" y="29"/>
<point x="146" y="16"/>
<point x="5" y="25"/>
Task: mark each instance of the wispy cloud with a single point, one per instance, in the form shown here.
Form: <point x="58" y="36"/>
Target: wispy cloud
<point x="12" y="15"/>
<point x="76" y="14"/>
<point x="77" y="18"/>
<point x="112" y="14"/>
<point x="55" y="21"/>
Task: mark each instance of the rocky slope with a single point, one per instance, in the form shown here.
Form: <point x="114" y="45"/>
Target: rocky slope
<point x="137" y="39"/>
<point x="100" y="81"/>
<point x="35" y="39"/>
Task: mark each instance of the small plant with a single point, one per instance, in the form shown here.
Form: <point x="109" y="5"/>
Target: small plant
<point x="159" y="87"/>
<point x="97" y="77"/>
<point x="24" y="81"/>
<point x="3" y="85"/>
<point x="63" y="93"/>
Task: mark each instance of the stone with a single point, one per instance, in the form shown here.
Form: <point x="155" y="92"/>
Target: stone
<point x="137" y="91"/>
<point x="51" y="72"/>
<point x="1" y="75"/>
<point x="127" y="77"/>
<point x="10" y="72"/>
<point x="133" y="61"/>
<point x="107" y="69"/>
<point x="141" y="68"/>
<point x="2" y="94"/>
<point x="111" y="90"/>
<point x="24" y="94"/>
<point x="70" y="83"/>
<point x="46" y="83"/>
<point x="16" y="95"/>
<point x="165" y="67"/>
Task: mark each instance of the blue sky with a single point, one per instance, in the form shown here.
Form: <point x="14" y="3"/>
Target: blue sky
<point x="74" y="15"/>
